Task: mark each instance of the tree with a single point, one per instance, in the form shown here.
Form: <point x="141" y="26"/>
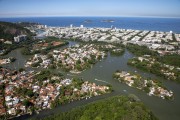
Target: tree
<point x="118" y="107"/>
<point x="26" y="103"/>
<point x="85" y="59"/>
<point x="2" y="86"/>
<point x="78" y="67"/>
<point x="21" y="69"/>
<point x="43" y="75"/>
<point x="35" y="64"/>
<point x="133" y="98"/>
<point x="30" y="93"/>
<point x="25" y="51"/>
<point x="78" y="61"/>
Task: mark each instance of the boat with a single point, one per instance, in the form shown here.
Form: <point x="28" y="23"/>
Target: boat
<point x="100" y="80"/>
<point x="125" y="90"/>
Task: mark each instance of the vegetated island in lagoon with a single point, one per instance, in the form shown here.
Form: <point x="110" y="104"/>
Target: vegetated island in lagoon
<point x="152" y="87"/>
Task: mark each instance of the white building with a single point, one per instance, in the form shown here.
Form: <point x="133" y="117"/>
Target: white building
<point x="20" y="38"/>
<point x="81" y="26"/>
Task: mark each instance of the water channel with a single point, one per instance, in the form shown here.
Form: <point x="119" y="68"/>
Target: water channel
<point x="101" y="73"/>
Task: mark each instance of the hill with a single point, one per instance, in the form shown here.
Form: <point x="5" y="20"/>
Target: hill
<point x="9" y="30"/>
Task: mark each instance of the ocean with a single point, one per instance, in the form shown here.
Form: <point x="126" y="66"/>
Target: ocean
<point x="135" y="23"/>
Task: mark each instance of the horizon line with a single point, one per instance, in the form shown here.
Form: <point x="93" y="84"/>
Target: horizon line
<point x="85" y="16"/>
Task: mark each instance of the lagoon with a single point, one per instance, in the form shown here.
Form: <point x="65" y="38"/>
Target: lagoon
<point x="101" y="73"/>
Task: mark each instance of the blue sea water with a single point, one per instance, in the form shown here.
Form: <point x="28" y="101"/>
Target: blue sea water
<point x="136" y="23"/>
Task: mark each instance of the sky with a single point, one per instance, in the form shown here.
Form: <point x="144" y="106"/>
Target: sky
<point x="142" y="8"/>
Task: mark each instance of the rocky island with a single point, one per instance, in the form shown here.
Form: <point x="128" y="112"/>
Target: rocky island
<point x="108" y="21"/>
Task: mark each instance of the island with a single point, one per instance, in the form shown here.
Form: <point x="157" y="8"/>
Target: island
<point x="151" y="64"/>
<point x="75" y="58"/>
<point x="108" y="21"/>
<point x="151" y="87"/>
<point x="88" y="21"/>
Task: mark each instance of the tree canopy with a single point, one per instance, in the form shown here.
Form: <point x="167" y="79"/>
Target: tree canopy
<point x="114" y="108"/>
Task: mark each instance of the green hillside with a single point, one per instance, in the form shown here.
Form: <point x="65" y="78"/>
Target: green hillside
<point x="9" y="30"/>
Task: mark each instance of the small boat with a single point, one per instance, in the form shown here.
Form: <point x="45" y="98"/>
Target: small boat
<point x="125" y="90"/>
<point x="101" y="80"/>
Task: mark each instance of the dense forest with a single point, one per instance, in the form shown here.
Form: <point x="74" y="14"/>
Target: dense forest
<point x="114" y="108"/>
<point x="140" y="50"/>
<point x="173" y="59"/>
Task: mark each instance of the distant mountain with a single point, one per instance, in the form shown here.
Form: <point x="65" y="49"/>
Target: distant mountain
<point x="9" y="30"/>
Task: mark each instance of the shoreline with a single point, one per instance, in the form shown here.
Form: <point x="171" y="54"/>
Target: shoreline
<point x="107" y="25"/>
<point x="62" y="108"/>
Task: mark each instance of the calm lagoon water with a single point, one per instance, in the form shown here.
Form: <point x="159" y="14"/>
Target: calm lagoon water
<point x="101" y="73"/>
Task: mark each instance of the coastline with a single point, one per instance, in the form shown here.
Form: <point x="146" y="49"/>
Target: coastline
<point x="125" y="22"/>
